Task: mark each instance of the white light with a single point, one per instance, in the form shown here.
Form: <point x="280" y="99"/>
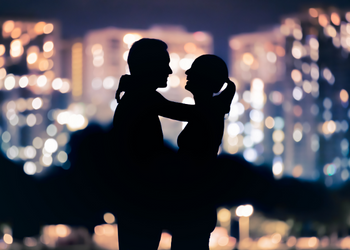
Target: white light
<point x="188" y="100"/>
<point x="257" y="84"/>
<point x="108" y="82"/>
<point x="297" y="135"/>
<point x="96" y="83"/>
<point x="65" y="87"/>
<point x="314" y="43"/>
<point x="46" y="160"/>
<point x="62" y="157"/>
<point x="345" y="174"/>
<point x="244" y="211"/>
<point x="271" y="57"/>
<point x="30" y="152"/>
<point x="297" y="93"/>
<point x="246" y="96"/>
<point x="57" y="84"/>
<point x="113" y="105"/>
<point x="257" y="135"/>
<point x="129" y="39"/>
<point x="9" y="82"/>
<point x="185" y="63"/>
<point x="14" y="120"/>
<point x="250" y="154"/>
<point x="98" y="61"/>
<point x="41" y="81"/>
<point x="248" y="142"/>
<point x="32" y="57"/>
<point x="51" y="145"/>
<point x="31" y="120"/>
<point x="76" y="121"/>
<point x="256" y="115"/>
<point x="37" y="142"/>
<point x="23" y="82"/>
<point x="51" y="130"/>
<point x="63" y="117"/>
<point x="277" y="168"/>
<point x="234" y="129"/>
<point x="37" y="103"/>
<point x="296" y="52"/>
<point x="327" y="103"/>
<point x="125" y="55"/>
<point x="48" y="46"/>
<point x="12" y="152"/>
<point x="29" y="168"/>
<point x="327" y="74"/>
<point x="173" y="81"/>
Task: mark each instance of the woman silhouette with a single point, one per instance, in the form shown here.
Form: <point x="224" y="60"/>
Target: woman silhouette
<point x="140" y="160"/>
<point x="194" y="214"/>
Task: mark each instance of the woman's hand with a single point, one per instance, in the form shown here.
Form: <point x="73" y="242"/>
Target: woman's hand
<point x="124" y="83"/>
<point x="223" y="101"/>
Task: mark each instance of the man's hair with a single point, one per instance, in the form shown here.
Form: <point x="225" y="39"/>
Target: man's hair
<point x="144" y="52"/>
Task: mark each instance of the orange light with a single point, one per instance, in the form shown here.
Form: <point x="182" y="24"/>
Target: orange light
<point x="323" y="20"/>
<point x="190" y="48"/>
<point x="2" y="62"/>
<point x="297" y="171"/>
<point x="269" y="46"/>
<point x="2" y="49"/>
<point x="297" y="110"/>
<point x="296" y="75"/>
<point x="8" y="26"/>
<point x="235" y="44"/>
<point x="39" y="28"/>
<point x="16" y="33"/>
<point x="335" y="19"/>
<point x="43" y="65"/>
<point x="248" y="58"/>
<point x="331" y="126"/>
<point x="280" y="51"/>
<point x="344" y="96"/>
<point x="325" y="128"/>
<point x="313" y="12"/>
<point x="25" y="39"/>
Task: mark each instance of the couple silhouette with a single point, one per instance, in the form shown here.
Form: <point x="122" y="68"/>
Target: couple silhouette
<point x="157" y="190"/>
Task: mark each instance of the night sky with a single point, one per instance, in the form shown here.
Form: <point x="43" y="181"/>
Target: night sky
<point x="222" y="18"/>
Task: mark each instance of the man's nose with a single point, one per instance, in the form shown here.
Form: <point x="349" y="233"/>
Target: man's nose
<point x="169" y="70"/>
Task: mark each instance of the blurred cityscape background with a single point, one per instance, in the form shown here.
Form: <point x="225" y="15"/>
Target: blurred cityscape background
<point x="290" y="114"/>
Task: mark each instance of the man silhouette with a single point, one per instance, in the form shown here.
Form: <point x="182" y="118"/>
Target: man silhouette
<point x="138" y="145"/>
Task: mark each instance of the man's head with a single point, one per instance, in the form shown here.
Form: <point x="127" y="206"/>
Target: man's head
<point x="149" y="60"/>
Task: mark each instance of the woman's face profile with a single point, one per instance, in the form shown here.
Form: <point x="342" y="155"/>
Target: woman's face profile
<point x="202" y="77"/>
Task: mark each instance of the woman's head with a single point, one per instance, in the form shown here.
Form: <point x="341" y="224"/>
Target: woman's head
<point x="208" y="73"/>
<point x="149" y="60"/>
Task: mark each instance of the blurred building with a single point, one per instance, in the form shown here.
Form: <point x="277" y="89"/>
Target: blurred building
<point x="301" y="68"/>
<point x="32" y="94"/>
<point x="50" y="87"/>
<point x="105" y="55"/>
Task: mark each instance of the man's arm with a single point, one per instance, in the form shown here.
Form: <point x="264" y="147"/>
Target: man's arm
<point x="175" y="110"/>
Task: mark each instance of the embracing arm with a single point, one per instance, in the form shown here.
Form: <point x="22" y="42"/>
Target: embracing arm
<point x="175" y="110"/>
